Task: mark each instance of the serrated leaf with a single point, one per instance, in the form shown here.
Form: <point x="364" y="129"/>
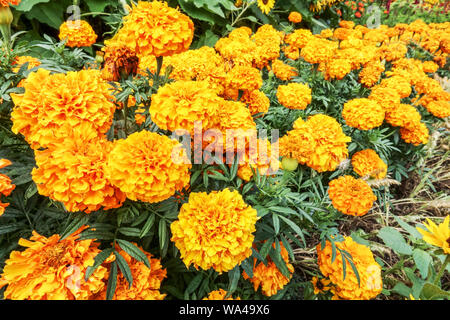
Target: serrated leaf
<point x="147" y="226"/>
<point x="74" y="225"/>
<point x="134" y="251"/>
<point x="423" y="261"/>
<point x="248" y="267"/>
<point x="11" y="227"/>
<point x="124" y="268"/>
<point x="131" y="232"/>
<point x="112" y="281"/>
<point x="394" y="240"/>
<point x="276" y="223"/>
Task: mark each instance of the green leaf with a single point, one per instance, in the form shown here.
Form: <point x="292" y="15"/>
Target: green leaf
<point x="124" y="268"/>
<point x="293" y="226"/>
<point x="133" y="251"/>
<point x="98" y="5"/>
<point x="276" y="223"/>
<point x="112" y="281"/>
<point x="96" y="234"/>
<point x="431" y="292"/>
<point x="147" y="226"/>
<point x="423" y="261"/>
<point x="193" y="285"/>
<point x="394" y="240"/>
<point x="98" y="260"/>
<point x="74" y="225"/>
<point x="234" y="276"/>
<point x="11" y="227"/>
<point x="402" y="289"/>
<point x="275" y="255"/>
<point x="131" y="232"/>
<point x="162" y="232"/>
<point x="411" y="230"/>
<point x="26" y="5"/>
<point x="248" y="267"/>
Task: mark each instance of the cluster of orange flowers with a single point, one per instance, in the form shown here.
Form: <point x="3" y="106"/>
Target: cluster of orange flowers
<point x="6" y="187"/>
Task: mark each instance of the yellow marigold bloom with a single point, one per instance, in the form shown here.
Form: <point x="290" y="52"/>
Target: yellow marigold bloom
<point x="351" y="196"/>
<point x="429" y="67"/>
<point x="387" y="98"/>
<point x="331" y="143"/>
<point x="269" y="277"/>
<point x="268" y="45"/>
<point x="318" y="50"/>
<point x="51" y="101"/>
<point x="139" y="116"/>
<point x="320" y="285"/>
<point x="298" y="144"/>
<point x="295" y="17"/>
<point x="146" y="281"/>
<point x="219" y="295"/>
<point x="154" y="28"/>
<point x="257" y="101"/>
<point x="368" y="163"/>
<point x="440" y="109"/>
<point x="416" y="134"/>
<point x="346" y="24"/>
<point x="180" y="104"/>
<point x="337" y="69"/>
<point x="148" y="167"/>
<point x="371" y="73"/>
<point x="426" y="85"/>
<point x="363" y="114"/>
<point x="72" y="171"/>
<point x="266" y="5"/>
<point x="283" y="71"/>
<point x="53" y="269"/>
<point x="326" y="33"/>
<point x="244" y="78"/>
<point x="368" y="269"/>
<point x="237" y="48"/>
<point x="294" y="95"/>
<point x="399" y="84"/>
<point x="403" y="115"/>
<point x="437" y="235"/>
<point x="299" y="38"/>
<point x="78" y="33"/>
<point x="393" y="51"/>
<point x="214" y="230"/>
<point x="6" y="187"/>
<point x="291" y="52"/>
<point x="343" y="33"/>
<point x="442" y="100"/>
<point x="21" y="60"/>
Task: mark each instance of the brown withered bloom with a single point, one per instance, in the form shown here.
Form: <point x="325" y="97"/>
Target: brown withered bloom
<point x="119" y="62"/>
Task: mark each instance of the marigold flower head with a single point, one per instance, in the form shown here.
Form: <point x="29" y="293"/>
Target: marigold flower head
<point x="337" y="69"/>
<point x="180" y="104"/>
<point x="386" y="97"/>
<point x="154" y="28"/>
<point x="148" y="167"/>
<point x="416" y="134"/>
<point x="371" y="72"/>
<point x="399" y="84"/>
<point x="294" y="95"/>
<point x="368" y="163"/>
<point x="6" y="186"/>
<point x="219" y="295"/>
<point x="440" y="109"/>
<point x="331" y="143"/>
<point x="298" y="144"/>
<point x="403" y="115"/>
<point x="72" y="171"/>
<point x="7" y="3"/>
<point x="214" y="230"/>
<point x="326" y="33"/>
<point x="429" y="67"/>
<point x="299" y="38"/>
<point x="426" y="85"/>
<point x="346" y="24"/>
<point x="270" y="277"/>
<point x="146" y="281"/>
<point x="283" y="71"/>
<point x="120" y="62"/>
<point x="51" y="101"/>
<point x="363" y="114"/>
<point x="351" y="196"/>
<point x="291" y="52"/>
<point x="318" y="50"/>
<point x="257" y="101"/>
<point x="369" y="270"/>
<point x="244" y="78"/>
<point x="237" y="50"/>
<point x="21" y="60"/>
<point x="268" y="44"/>
<point x="437" y="235"/>
<point x="78" y="33"/>
<point x="295" y="17"/>
<point x="53" y="269"/>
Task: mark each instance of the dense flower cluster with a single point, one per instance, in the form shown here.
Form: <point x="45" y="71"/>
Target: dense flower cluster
<point x="214" y="230"/>
<point x="6" y="187"/>
<point x="348" y="288"/>
<point x="78" y="33"/>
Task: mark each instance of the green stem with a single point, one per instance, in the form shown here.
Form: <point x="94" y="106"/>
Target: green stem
<point x="159" y="63"/>
<point x="125" y="116"/>
<point x="441" y="271"/>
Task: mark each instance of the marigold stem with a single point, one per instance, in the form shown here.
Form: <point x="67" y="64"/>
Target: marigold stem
<point x="441" y="271"/>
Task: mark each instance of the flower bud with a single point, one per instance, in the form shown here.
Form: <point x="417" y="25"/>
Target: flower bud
<point x="6" y="16"/>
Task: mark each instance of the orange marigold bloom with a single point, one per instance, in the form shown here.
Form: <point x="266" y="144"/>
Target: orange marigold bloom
<point x="440" y="109"/>
<point x="153" y="28"/>
<point x="346" y="24"/>
<point x="21" y="60"/>
<point x="7" y="3"/>
<point x="363" y="114"/>
<point x="291" y="52"/>
<point x="387" y="98"/>
<point x="369" y="270"/>
<point x="180" y="104"/>
<point x="148" y="167"/>
<point x="318" y="50"/>
<point x="299" y="38"/>
<point x="78" y="33"/>
<point x="53" y="269"/>
<point x="268" y="44"/>
<point x="429" y="67"/>
<point x="403" y="115"/>
<point x="368" y="163"/>
<point x="337" y="69"/>
<point x="294" y="95"/>
<point x="257" y="101"/>
<point x="416" y="134"/>
<point x="426" y="85"/>
<point x="237" y="48"/>
<point x="371" y="73"/>
<point x="283" y="71"/>
<point x="351" y="196"/>
<point x="51" y="101"/>
<point x="331" y="143"/>
<point x="6" y="187"/>
<point x="298" y="144"/>
<point x="219" y="295"/>
<point x="72" y="171"/>
<point x="269" y="277"/>
<point x="146" y="281"/>
<point x="214" y="230"/>
<point x="244" y="78"/>
<point x="399" y="84"/>
<point x="295" y="17"/>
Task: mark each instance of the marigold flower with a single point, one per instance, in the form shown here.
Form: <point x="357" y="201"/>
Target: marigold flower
<point x="214" y="230"/>
<point x="368" y="163"/>
<point x="363" y="114"/>
<point x="7" y="3"/>
<point x="295" y="17"/>
<point x="78" y="33"/>
<point x="51" y="101"/>
<point x="440" y="109"/>
<point x="320" y="285"/>
<point x="120" y="62"/>
<point x="346" y="24"/>
<point x="369" y="270"/>
<point x="318" y="50"/>
<point x="430" y="67"/>
<point x="387" y="98"/>
<point x="53" y="269"/>
<point x="351" y="196"/>
<point x="238" y="49"/>
<point x="294" y="95"/>
<point x="154" y="28"/>
<point x="6" y="187"/>
<point x="371" y="73"/>
<point x="148" y="167"/>
<point x="437" y="235"/>
<point x="403" y="115"/>
<point x="299" y="38"/>
<point x="72" y="171"/>
<point x="416" y="134"/>
<point x="219" y="295"/>
<point x="291" y="52"/>
<point x="268" y="44"/>
<point x="257" y="101"/>
<point x="270" y="277"/>
<point x="283" y="71"/>
<point x="337" y="69"/>
<point x="399" y="84"/>
<point x="21" y="60"/>
<point x="244" y="78"/>
<point x="298" y="144"/>
<point x="331" y="143"/>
